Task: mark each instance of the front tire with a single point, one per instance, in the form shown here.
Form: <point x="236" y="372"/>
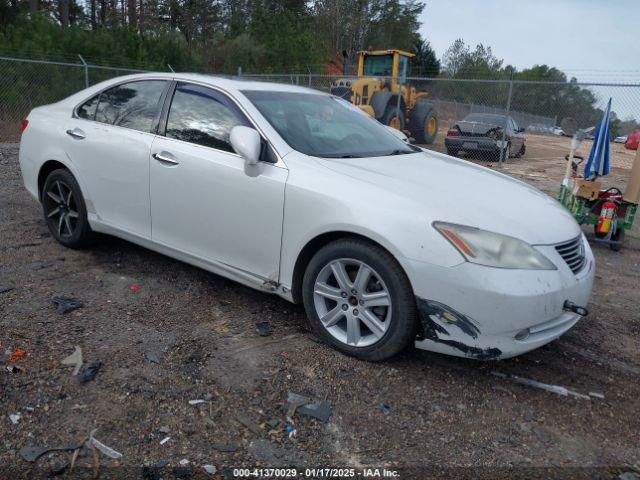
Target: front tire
<point x="359" y="300"/>
<point x="64" y="210"/>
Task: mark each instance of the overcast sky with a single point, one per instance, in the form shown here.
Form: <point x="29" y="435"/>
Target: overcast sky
<point x="581" y="37"/>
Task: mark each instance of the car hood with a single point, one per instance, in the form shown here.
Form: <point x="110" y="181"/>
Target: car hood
<point x="443" y="188"/>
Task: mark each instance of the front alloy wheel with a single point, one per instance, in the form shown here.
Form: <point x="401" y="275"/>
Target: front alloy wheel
<point x="352" y="302"/>
<point x="359" y="300"/>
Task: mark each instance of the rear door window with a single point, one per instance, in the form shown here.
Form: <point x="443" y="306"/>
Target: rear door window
<point x="203" y="116"/>
<point x="134" y="105"/>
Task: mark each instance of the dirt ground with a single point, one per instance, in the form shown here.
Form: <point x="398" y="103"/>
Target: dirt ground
<point x="187" y="335"/>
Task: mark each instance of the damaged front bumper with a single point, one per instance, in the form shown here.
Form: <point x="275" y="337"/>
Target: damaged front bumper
<point x="491" y="313"/>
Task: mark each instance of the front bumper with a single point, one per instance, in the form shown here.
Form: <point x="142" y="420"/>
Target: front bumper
<point x="490" y="313"/>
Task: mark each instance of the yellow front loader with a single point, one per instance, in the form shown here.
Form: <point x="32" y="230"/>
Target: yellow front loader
<point x="382" y="91"/>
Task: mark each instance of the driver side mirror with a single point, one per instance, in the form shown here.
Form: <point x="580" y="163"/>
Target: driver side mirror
<point x="247" y="143"/>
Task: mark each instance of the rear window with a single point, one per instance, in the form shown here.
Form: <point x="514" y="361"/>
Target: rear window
<point x="486" y="118"/>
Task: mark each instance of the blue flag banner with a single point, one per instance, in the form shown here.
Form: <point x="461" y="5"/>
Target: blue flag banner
<point x="598" y="163"/>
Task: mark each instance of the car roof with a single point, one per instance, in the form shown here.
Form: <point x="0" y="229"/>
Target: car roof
<point x="231" y="84"/>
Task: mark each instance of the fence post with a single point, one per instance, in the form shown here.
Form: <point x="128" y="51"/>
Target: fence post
<point x="504" y="130"/>
<point x="239" y="71"/>
<point x="171" y="68"/>
<point x="86" y="72"/>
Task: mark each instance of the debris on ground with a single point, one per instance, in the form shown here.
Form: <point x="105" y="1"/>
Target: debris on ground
<point x="384" y="407"/>
<point x="16" y="355"/>
<point x="313" y="407"/>
<point x="152" y="356"/>
<point x="5" y="288"/>
<point x="75" y="359"/>
<point x="164" y="440"/>
<point x="12" y="369"/>
<point x="250" y="424"/>
<point x="196" y="402"/>
<point x="164" y="429"/>
<point x="90" y="372"/>
<point x="15" y="417"/>
<point x="184" y="462"/>
<point x="291" y="430"/>
<point x="66" y="304"/>
<point x="294" y="401"/>
<point x="264" y="329"/>
<point x="31" y="454"/>
<point x="210" y="469"/>
<point x="596" y="395"/>
<point x="108" y="451"/>
<point x="135" y="288"/>
<point x="544" y="386"/>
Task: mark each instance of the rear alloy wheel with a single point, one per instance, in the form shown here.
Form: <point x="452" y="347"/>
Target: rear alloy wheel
<point x="64" y="209"/>
<point x="359" y="300"/>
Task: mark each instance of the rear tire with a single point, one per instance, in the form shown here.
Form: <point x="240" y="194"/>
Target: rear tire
<point x="342" y="305"/>
<point x="520" y="154"/>
<point x="65" y="211"/>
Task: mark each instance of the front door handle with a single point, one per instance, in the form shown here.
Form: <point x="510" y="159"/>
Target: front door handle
<point x="76" y="133"/>
<point x="164" y="159"/>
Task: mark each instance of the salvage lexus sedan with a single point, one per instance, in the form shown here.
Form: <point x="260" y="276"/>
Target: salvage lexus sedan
<point x="292" y="191"/>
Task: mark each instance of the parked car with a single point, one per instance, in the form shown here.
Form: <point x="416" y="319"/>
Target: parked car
<point x="633" y="139"/>
<point x="622" y="139"/>
<point x="482" y="133"/>
<point x="558" y="131"/>
<point x="289" y="191"/>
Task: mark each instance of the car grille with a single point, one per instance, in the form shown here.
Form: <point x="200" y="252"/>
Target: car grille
<point x="572" y="252"/>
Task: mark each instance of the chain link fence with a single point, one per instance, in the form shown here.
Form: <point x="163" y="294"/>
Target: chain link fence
<point x="547" y="112"/>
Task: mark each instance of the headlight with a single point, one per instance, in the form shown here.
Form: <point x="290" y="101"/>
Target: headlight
<point x="492" y="249"/>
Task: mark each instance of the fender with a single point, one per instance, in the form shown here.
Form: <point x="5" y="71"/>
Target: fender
<point x="57" y="154"/>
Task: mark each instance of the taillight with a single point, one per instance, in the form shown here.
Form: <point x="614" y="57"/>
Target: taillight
<point x="453" y="133"/>
<point x="23" y="126"/>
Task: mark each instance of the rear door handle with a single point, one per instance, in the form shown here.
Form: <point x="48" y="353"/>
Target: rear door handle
<point x="76" y="133"/>
<point x="164" y="159"/>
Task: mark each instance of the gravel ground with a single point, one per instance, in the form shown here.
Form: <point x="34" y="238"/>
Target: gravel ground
<point x="186" y="334"/>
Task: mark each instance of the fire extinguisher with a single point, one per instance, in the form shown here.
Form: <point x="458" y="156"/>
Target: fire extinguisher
<point x="606" y="216"/>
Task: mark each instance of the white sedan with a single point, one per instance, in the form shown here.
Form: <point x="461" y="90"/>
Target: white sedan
<point x="291" y="191"/>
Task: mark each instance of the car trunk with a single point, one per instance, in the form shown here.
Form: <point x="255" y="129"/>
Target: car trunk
<point x="476" y="129"/>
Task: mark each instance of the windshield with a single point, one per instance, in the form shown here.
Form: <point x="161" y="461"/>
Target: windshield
<point x="378" y="65"/>
<point x="325" y="126"/>
<point x="491" y="119"/>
